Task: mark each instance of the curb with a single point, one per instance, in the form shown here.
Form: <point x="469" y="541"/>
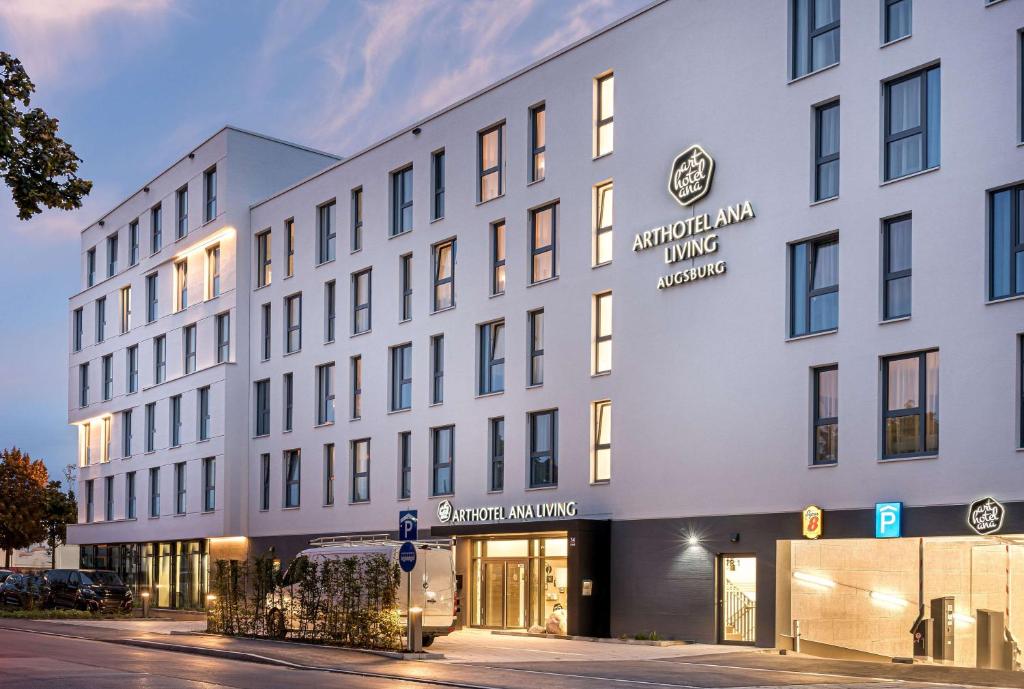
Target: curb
<point x="396" y="655"/>
<point x="597" y="639"/>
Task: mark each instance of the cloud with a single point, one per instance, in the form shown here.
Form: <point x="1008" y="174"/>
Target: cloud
<point x="583" y="19"/>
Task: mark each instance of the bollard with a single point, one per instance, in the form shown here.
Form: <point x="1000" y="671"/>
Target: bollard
<point x="796" y="636"/>
<point x="415" y="630"/>
<point x="145" y="603"/>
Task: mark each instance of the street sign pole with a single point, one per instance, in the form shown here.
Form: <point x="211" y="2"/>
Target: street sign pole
<point x="407" y="529"/>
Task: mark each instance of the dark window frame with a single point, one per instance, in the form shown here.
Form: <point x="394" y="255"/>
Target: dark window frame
<point x="288" y="395"/>
<point x="356" y="391"/>
<point x="223" y="334"/>
<point x="401" y="183"/>
<point x="437" y="174"/>
<point x="156" y="232"/>
<point x="888" y="275"/>
<point x="922" y="128"/>
<point x="133" y="242"/>
<point x="289" y="247"/>
<point x="325" y="394"/>
<point x="491" y="368"/>
<point x="438" y="281"/>
<point x="808" y="34"/>
<point x="437" y="369"/>
<point x="404" y="465"/>
<point x="356" y="234"/>
<point x="536" y="336"/>
<point x="807" y="292"/>
<point x="496" y="454"/>
<point x="921" y="410"/>
<point x="180" y="488"/>
<point x="288" y="500"/>
<point x="326" y="231"/>
<point x="536" y="469"/>
<point x="264" y="481"/>
<point x="209" y="484"/>
<point x="437" y="466"/>
<point x="600" y="120"/>
<point x="330" y="461"/>
<point x="1012" y="252"/>
<point x="261" y="412"/>
<point x="292" y="329"/>
<point x="267" y="327"/>
<point x="203" y="411"/>
<point x="360" y="306"/>
<point x="405" y="287"/>
<point x="190" y="343"/>
<point x="538" y="151"/>
<point x="602" y="335"/>
<point x="499" y="256"/>
<point x="210" y="194"/>
<point x="264" y="259"/>
<point x="820" y="159"/>
<point x="498" y="168"/>
<point x="551" y="248"/>
<point x="330" y="310"/>
<point x="154" y="492"/>
<point x="181" y="212"/>
<point x="401" y="379"/>
<point x="356" y="476"/>
<point x="887" y="26"/>
<point x="818" y="421"/>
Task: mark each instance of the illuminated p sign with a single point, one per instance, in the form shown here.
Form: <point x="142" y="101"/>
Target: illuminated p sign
<point x="888" y="519"/>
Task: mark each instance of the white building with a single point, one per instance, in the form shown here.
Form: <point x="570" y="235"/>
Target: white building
<point x="430" y="327"/>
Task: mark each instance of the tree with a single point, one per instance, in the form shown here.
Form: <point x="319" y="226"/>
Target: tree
<point x="38" y="166"/>
<point x="61" y="510"/>
<point x="22" y="501"/>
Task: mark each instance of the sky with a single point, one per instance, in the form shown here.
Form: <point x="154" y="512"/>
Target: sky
<point x="137" y="83"/>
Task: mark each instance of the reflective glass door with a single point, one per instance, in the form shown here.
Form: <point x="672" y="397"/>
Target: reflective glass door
<point x="515" y="595"/>
<point x="737" y="599"/>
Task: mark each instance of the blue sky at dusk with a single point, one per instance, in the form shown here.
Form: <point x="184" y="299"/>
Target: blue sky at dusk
<point x="137" y="83"/>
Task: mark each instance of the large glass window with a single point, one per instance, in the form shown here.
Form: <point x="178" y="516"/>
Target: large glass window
<point x="538" y="142"/>
<point x="912" y="117"/>
<point x="492" y="357"/>
<point x="293" y="323"/>
<point x="401" y="377"/>
<point x="1006" y="242"/>
<point x="496" y="481"/>
<point x="601" y="441"/>
<point x="442" y="453"/>
<point x="405" y="287"/>
<point x="262" y="420"/>
<point x="910" y="415"/>
<point x="603" y="216"/>
<point x="603" y="332"/>
<point x="263" y="256"/>
<point x="897" y="19"/>
<point x="604" y="115"/>
<point x="826" y="415"/>
<point x="325" y="394"/>
<point x="536" y="372"/>
<point x="361" y="286"/>
<point x="404" y="465"/>
<point x="292" y="478"/>
<point x="401" y="201"/>
<point x="826" y="151"/>
<point x="326" y="231"/>
<point x="498" y="258"/>
<point x="542" y="243"/>
<point x="437" y="172"/>
<point x="444" y="275"/>
<point x="437" y="366"/>
<point x="896" y="262"/>
<point x="814" y="286"/>
<point x="815" y="35"/>
<point x="491" y="163"/>
<point x="543" y="434"/>
<point x="361" y="470"/>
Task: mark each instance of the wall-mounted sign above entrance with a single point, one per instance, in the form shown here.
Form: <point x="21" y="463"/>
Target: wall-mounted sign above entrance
<point x="888" y="519"/>
<point x="985" y="516"/>
<point x="813" y="516"/>
<point x="449" y="514"/>
<point x="689" y="179"/>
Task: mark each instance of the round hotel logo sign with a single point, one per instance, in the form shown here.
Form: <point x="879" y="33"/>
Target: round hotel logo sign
<point x="985" y="516"/>
<point x="689" y="179"/>
<point x="444" y="511"/>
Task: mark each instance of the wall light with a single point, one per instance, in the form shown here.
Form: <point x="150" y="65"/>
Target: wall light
<point x="888" y="599"/>
<point x="692" y="541"/>
<point x="813" y="579"/>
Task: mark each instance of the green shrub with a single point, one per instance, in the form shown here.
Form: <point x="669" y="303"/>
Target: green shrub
<point x="37" y="614"/>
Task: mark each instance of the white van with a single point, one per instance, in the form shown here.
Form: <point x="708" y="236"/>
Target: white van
<point x="433" y="586"/>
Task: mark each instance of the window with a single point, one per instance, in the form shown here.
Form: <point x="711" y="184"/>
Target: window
<point x="179" y="488"/>
<point x="1020" y="439"/>
<point x="265" y="482"/>
<point x="126" y="433"/>
<point x="912" y="123"/>
<point x="826" y="415"/>
<point x="896" y="262"/>
<point x="175" y="420"/>
<point x="356" y="406"/>
<point x="361" y="470"/>
<point x="405" y="287"/>
<point x="86" y="444"/>
<point x="1006" y="242"/>
<point x="543" y="433"/>
<point x="910" y="416"/>
<point x="132" y="357"/>
<point x="292" y="477"/>
<point x="325" y="394"/>
<point x="108" y="377"/>
<point x="442" y="453"/>
<point x="133" y="242"/>
<point x="361" y="286"/>
<point x="603" y="332"/>
<point x="437" y="172"/>
<point x="437" y="366"/>
<point x="497" y="448"/>
<point x="108" y="498"/>
<point x="404" y="465"/>
<point x="78" y="327"/>
<point x="263" y="256"/>
<point x="330" y="310"/>
<point x="90" y="267"/>
<point x="326" y="231"/>
<point x="601" y="459"/>
<point x="154" y="492"/>
<point x="83" y="385"/>
<point x="826" y="151"/>
<point x="105" y="446"/>
<point x="357" y="219"/>
<point x="159" y="359"/>
<point x="401" y="201"/>
<point x="262" y="419"/>
<point x="815" y="35"/>
<point x="492" y="357"/>
<point x="401" y="377"/>
<point x="181" y="206"/>
<point x="90" y="500"/>
<point x="498" y="258"/>
<point x="152" y="298"/>
<point x="603" y="214"/>
<point x="542" y="243"/>
<point x="897" y="19"/>
<point x="265" y="349"/>
<point x="155" y="230"/>
<point x="126" y="309"/>
<point x="203" y="404"/>
<point x="538" y="142"/>
<point x="536" y="371"/>
<point x="223" y="337"/>
<point x="289" y="248"/>
<point x="101" y="318"/>
<point x="209" y="484"/>
<point x="210" y="194"/>
<point x="814" y="285"/>
<point x="293" y="323"/>
<point x="288" y="386"/>
<point x="491" y="161"/>
<point x="181" y="284"/>
<point x="129" y="495"/>
<point x="189" y="342"/>
<point x="213" y="272"/>
<point x="604" y="115"/>
<point x="444" y="275"/>
<point x="329" y="474"/>
<point x="111" y="255"/>
<point x="151" y="427"/>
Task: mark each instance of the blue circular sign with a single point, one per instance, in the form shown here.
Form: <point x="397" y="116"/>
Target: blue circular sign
<point x="407" y="557"/>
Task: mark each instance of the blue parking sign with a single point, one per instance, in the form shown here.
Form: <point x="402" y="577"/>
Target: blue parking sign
<point x="408" y="521"/>
<point x="888" y="520"/>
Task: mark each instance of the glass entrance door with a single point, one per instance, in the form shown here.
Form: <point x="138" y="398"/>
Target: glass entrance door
<point x="516" y="595"/>
<point x="737" y="599"/>
<point x="494" y="594"/>
<point x="506" y="594"/>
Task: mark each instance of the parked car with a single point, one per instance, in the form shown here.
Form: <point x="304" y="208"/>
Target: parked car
<point x="25" y="591"/>
<point x="95" y="590"/>
<point x="4" y="573"/>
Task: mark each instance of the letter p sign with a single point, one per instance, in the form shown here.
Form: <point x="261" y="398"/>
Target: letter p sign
<point x="888" y="519"/>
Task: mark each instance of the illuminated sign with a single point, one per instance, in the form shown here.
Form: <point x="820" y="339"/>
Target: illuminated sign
<point x="812" y="521"/>
<point x="888" y="519"/>
<point x="689" y="179"/>
<point x="985" y="516"/>
<point x="449" y="514"/>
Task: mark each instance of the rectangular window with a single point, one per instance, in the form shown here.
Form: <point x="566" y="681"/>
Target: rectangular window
<point x="325" y="394"/>
<point x="151" y="427"/>
<point x="90" y="267"/>
<point x="543" y="433"/>
<point x="401" y="201"/>
<point x="181" y="284"/>
<point x="356" y="405"/>
<point x="126" y="309"/>
<point x="155" y="229"/>
<point x="210" y="194"/>
<point x="327" y="231"/>
<point x="133" y="368"/>
<point x="536" y="372"/>
<point x="910" y="414"/>
<point x="826" y="151"/>
<point x="815" y="35"/>
<point x="912" y="123"/>
<point x="175" y="421"/>
<point x="491" y="162"/>
<point x="604" y="115"/>
<point x="329" y="474"/>
<point x="152" y="298"/>
<point x="444" y="275"/>
<point x="289" y="247"/>
<point x="601" y="459"/>
<point x="101" y="319"/>
<point x="361" y="470"/>
<point x="498" y="258"/>
<point x="223" y="337"/>
<point x="896" y="263"/>
<point x="108" y="377"/>
<point x="293" y="323"/>
<point x="263" y="258"/>
<point x="262" y="398"/>
<point x="357" y="219"/>
<point x="129" y="495"/>
<point x="603" y="332"/>
<point x="542" y="243"/>
<point x="897" y="19"/>
<point x="330" y="310"/>
<point x="105" y="446"/>
<point x="133" y="242"/>
<point x="437" y="366"/>
<point x="288" y="392"/>
<point x="86" y="444"/>
<point x="603" y="217"/>
<point x="111" y="255"/>
<point x="437" y="172"/>
<point x="1006" y="242"/>
<point x="159" y="359"/>
<point x="492" y="357"/>
<point x="265" y="348"/>
<point x="292" y="478"/>
<point x="83" y="385"/>
<point x="213" y="272"/>
<point x="1020" y="383"/>
<point x="180" y="488"/>
<point x="497" y="448"/>
<point x="814" y="286"/>
<point x="361" y="287"/>
<point x="189" y="342"/>
<point x="538" y="142"/>
<point x="126" y="433"/>
<point x="108" y="498"/>
<point x="404" y="465"/>
<point x="264" y="482"/>
<point x="90" y="500"/>
<point x="203" y="403"/>
<point x="401" y="377"/>
<point x="826" y="415"/>
<point x="405" y="287"/>
<point x="78" y="328"/>
<point x="209" y="484"/>
<point x="181" y="206"/>
<point x="442" y="458"/>
<point x="154" y="492"/>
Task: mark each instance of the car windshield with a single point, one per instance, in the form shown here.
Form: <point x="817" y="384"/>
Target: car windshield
<point x="101" y="578"/>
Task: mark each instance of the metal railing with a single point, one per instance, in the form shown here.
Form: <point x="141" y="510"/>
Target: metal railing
<point x="739" y="613"/>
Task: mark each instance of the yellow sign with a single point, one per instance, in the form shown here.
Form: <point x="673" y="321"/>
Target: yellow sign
<point x="812" y="518"/>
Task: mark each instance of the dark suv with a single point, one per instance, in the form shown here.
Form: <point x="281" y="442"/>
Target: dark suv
<point x="95" y="590"/>
<point x="25" y="591"/>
